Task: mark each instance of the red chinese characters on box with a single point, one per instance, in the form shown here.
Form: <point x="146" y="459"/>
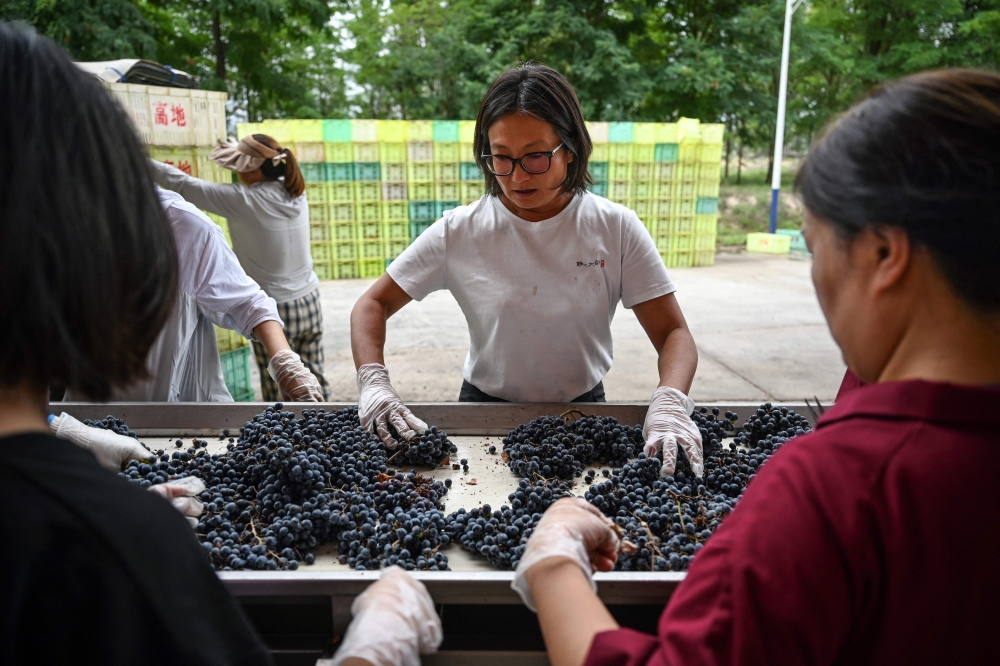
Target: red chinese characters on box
<point x="160" y="114"/>
<point x="177" y="114"/>
<point x="185" y="166"/>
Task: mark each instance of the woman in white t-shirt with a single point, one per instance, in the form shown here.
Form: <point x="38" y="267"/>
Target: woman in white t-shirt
<point x="538" y="266"/>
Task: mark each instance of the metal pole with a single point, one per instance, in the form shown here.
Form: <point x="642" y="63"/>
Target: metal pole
<point x="779" y="132"/>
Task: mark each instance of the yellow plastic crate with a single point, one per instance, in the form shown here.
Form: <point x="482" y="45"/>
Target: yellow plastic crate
<point x="321" y="251"/>
<point x="682" y="224"/>
<point x="390" y="152"/>
<point x="371" y="249"/>
<point x="340" y="192"/>
<point x="342" y="212"/>
<point x="619" y="190"/>
<point x="316" y="193"/>
<point x="599" y="153"/>
<point x="420" y="130"/>
<point x="688" y="170"/>
<point x="345" y="250"/>
<point x="704" y="257"/>
<point x="710" y="171"/>
<point x="344" y="231"/>
<point x="394" y="248"/>
<point x="370" y="190"/>
<point x="642" y="207"/>
<point x="420" y="151"/>
<point x="368" y="211"/>
<point x="394" y="191"/>
<point x="710" y="152"/>
<point x="643" y="152"/>
<point x="769" y="243"/>
<point x="392" y="132"/>
<point x="663" y="207"/>
<point x="466" y="152"/>
<point x="444" y="191"/>
<point x="396" y="230"/>
<point x="619" y="170"/>
<point x="393" y="171"/>
<point x="644" y="170"/>
<point x="665" y="171"/>
<point x="420" y="172"/>
<point x="313" y="151"/>
<point x="338" y="152"/>
<point x="366" y="152"/>
<point x="447" y="171"/>
<point x="346" y="270"/>
<point x="364" y="131"/>
<point x="686" y="189"/>
<point x="396" y="211"/>
<point x="704" y="241"/>
<point x="708" y="188"/>
<point x="644" y="189"/>
<point x="320" y="233"/>
<point x="619" y="152"/>
<point x="466" y="131"/>
<point x="472" y="190"/>
<point x="319" y="213"/>
<point x="705" y="224"/>
<point x="421" y="191"/>
<point x="447" y="152"/>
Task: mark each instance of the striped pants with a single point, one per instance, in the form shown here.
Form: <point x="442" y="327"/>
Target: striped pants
<point x="303" y="319"/>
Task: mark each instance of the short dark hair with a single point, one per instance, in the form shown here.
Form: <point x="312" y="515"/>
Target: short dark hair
<point x="544" y="93"/>
<point x="919" y="153"/>
<point x="88" y="265"/>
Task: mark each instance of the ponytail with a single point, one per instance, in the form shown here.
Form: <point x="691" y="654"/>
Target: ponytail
<point x="288" y="169"/>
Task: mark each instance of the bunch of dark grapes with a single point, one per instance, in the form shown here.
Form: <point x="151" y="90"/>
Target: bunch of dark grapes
<point x="500" y="536"/>
<point x="117" y="426"/>
<point x="427" y="449"/>
<point x="288" y="485"/>
<point x="713" y="429"/>
<point x="550" y="447"/>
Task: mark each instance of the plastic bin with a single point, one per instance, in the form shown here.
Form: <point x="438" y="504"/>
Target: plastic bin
<point x="393" y="231"/>
<point x="599" y="153"/>
<point x="396" y="211"/>
<point x="340" y="192"/>
<point x="704" y="257"/>
<point x="320" y="233"/>
<point x="394" y="191"/>
<point x="469" y="171"/>
<point x="420" y="172"/>
<point x="420" y="191"/>
<point x="420" y="151"/>
<point x="466" y="131"/>
<point x="643" y="152"/>
<point x="392" y="152"/>
<point x="619" y="190"/>
<point x="321" y="251"/>
<point x="445" y="131"/>
<point x="642" y="207"/>
<point x="619" y="170"/>
<point x="707" y="206"/>
<point x="644" y="133"/>
<point x="324" y="271"/>
<point x="421" y="211"/>
<point x="319" y="213"/>
<point x="643" y="171"/>
<point x="665" y="171"/>
<point x="345" y="250"/>
<point x="644" y="189"/>
<point x="339" y="171"/>
<point x="600" y="188"/>
<point x="345" y="270"/>
<point x="621" y="132"/>
<point x="313" y="172"/>
<point x="344" y="231"/>
<point x="441" y="206"/>
<point x="371" y="268"/>
<point x="342" y="212"/>
<point x="392" y="131"/>
<point x="310" y="152"/>
<point x="769" y="243"/>
<point x="598" y="170"/>
<point x="417" y="228"/>
<point x="666" y="152"/>
<point x="367" y="171"/>
<point x="366" y="152"/>
<point x="598" y="131"/>
<point x="445" y="191"/>
<point x="447" y="152"/>
<point x="368" y="190"/>
<point x="471" y="191"/>
<point x="364" y="131"/>
<point x="420" y="130"/>
<point x="394" y="248"/>
<point x="316" y="193"/>
<point x="394" y="171"/>
<point x="447" y="171"/>
<point x="337" y="131"/>
<point x="620" y="152"/>
<point x="338" y="152"/>
<point x="371" y="249"/>
<point x="236" y="372"/>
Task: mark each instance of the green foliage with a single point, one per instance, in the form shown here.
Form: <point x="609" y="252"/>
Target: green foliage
<point x="652" y="60"/>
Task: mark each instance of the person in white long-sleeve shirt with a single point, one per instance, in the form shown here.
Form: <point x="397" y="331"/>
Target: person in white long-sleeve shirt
<point x="268" y="218"/>
<point x="184" y="363"/>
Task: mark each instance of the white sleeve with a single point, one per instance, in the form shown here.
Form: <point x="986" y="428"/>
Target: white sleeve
<point x="226" y="199"/>
<point x="212" y="275"/>
<point x="421" y="268"/>
<point x="644" y="277"/>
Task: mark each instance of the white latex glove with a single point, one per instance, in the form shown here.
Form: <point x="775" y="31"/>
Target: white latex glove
<point x="394" y="623"/>
<point x="669" y="426"/>
<point x="297" y="383"/>
<point x="380" y="405"/>
<point x="183" y="494"/>
<point x="574" y="529"/>
<point x="111" y="449"/>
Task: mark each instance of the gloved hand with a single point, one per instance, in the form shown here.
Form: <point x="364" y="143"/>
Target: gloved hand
<point x="394" y="623"/>
<point x="111" y="449"/>
<point x="669" y="426"/>
<point x="297" y="383"/>
<point x="571" y="528"/>
<point x="183" y="494"/>
<point x="380" y="405"/>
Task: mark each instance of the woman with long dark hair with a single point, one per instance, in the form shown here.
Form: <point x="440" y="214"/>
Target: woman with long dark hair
<point x="539" y="266"/>
<point x="93" y="569"/>
<point x="268" y="218"/>
<point x="873" y="539"/>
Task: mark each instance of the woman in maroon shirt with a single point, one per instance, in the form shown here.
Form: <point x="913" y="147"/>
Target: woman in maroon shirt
<point x="873" y="539"/>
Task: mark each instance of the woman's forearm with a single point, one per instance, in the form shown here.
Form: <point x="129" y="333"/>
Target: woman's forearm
<point x="368" y="332"/>
<point x="569" y="612"/>
<point x="270" y="335"/>
<point x="678" y="360"/>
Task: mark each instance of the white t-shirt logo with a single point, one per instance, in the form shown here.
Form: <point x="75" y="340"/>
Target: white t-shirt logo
<point x="595" y="262"/>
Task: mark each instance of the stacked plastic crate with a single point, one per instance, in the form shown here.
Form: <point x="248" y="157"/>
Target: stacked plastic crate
<point x="668" y="173"/>
<point x="375" y="186"/>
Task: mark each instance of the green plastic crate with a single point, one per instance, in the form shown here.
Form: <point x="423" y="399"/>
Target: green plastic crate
<point x="236" y="372"/>
<point x="600" y="188"/>
<point x="447" y="171"/>
<point x="447" y="152"/>
<point x="345" y="250"/>
<point x="369" y="230"/>
<point x="620" y="132"/>
<point x="420" y="191"/>
<point x="320" y="232"/>
<point x="598" y="170"/>
<point x="323" y="270"/>
<point x="665" y="152"/>
<point x="345" y="270"/>
<point x="396" y="211"/>
<point x="396" y="230"/>
<point x="394" y="171"/>
<point x="313" y="172"/>
<point x="446" y="131"/>
<point x="338" y="152"/>
<point x="417" y="228"/>
<point x="441" y="206"/>
<point x="367" y="171"/>
<point x="392" y="152"/>
<point x="470" y="171"/>
<point x="707" y="206"/>
<point x="421" y="211"/>
<point x="394" y="248"/>
<point x="339" y="171"/>
<point x="344" y="231"/>
<point x="447" y="191"/>
<point x="371" y="268"/>
<point x="366" y="152"/>
<point x="371" y="249"/>
<point x="337" y="131"/>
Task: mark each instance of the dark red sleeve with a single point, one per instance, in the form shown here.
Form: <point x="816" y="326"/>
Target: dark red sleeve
<point x="850" y="383"/>
<point x="774" y="584"/>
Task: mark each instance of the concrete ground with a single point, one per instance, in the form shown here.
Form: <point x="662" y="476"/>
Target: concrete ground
<point x="755" y="319"/>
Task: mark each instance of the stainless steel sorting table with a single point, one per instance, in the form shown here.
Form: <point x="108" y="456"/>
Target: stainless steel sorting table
<point x="299" y="613"/>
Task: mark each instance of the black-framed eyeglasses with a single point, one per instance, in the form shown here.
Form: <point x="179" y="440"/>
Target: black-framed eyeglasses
<point x="533" y="163"/>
